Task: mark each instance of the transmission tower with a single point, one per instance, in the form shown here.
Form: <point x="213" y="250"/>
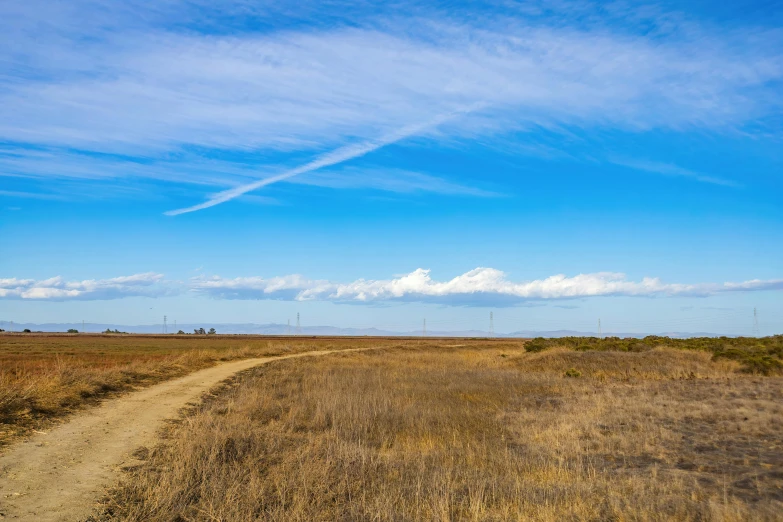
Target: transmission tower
<point x="164" y="324"/>
<point x="288" y="328"/>
<point x="599" y="329"/>
<point x="298" y="326"/>
<point x="424" y="328"/>
<point x="755" y="323"/>
<point x="491" y="324"/>
<point x="82" y="325"/>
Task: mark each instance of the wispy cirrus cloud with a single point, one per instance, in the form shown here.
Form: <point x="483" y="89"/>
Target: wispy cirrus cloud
<point x="481" y="286"/>
<point x="390" y="180"/>
<point x="334" y="157"/>
<point x="58" y="289"/>
<point x="28" y="195"/>
<point x="318" y="87"/>
<point x="78" y="170"/>
<point x="668" y="169"/>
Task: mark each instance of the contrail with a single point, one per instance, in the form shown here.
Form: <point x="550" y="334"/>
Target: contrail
<point x="332" y="158"/>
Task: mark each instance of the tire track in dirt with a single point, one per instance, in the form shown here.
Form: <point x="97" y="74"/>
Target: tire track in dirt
<point x="59" y="475"/>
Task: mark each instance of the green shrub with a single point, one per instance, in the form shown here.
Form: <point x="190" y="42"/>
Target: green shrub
<point x="573" y="372"/>
<point x="753" y="361"/>
<point x="762" y="355"/>
<point x="538" y="344"/>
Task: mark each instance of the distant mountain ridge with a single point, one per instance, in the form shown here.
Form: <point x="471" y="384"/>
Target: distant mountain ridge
<point x="283" y="329"/>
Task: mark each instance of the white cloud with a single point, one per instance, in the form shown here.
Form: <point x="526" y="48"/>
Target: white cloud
<point x="481" y="286"/>
<point x="76" y="171"/>
<point x="98" y="78"/>
<point x="334" y="157"/>
<point x="389" y="180"/>
<point x="57" y="289"/>
<point x="32" y="195"/>
<point x="668" y="169"/>
<point x="311" y="90"/>
<point x="478" y="287"/>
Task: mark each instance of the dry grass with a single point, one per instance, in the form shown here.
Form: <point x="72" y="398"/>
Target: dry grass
<point x="44" y="377"/>
<point x="472" y="433"/>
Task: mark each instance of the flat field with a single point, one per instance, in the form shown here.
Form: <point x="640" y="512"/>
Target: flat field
<point x="465" y="430"/>
<point x="45" y="377"/>
<point x="430" y="429"/>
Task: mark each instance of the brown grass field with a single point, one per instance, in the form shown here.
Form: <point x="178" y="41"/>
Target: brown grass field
<point x="45" y="377"/>
<point x="434" y="429"/>
<point x="472" y="430"/>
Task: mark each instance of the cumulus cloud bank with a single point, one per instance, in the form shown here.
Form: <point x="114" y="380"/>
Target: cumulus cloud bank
<point x="57" y="289"/>
<point x="478" y="287"/>
<point x="481" y="286"/>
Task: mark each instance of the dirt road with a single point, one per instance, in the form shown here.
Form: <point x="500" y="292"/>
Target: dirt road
<point x="61" y="474"/>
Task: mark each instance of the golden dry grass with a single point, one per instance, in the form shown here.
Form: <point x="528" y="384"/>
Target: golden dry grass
<point x="474" y="432"/>
<point x="44" y="377"/>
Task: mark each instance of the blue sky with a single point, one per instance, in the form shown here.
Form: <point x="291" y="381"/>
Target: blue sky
<point x="552" y="162"/>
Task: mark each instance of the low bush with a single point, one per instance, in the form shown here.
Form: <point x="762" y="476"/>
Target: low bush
<point x="752" y="361"/>
<point x="762" y="355"/>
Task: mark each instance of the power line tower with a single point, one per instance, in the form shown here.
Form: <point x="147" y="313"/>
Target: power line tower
<point x="755" y="323"/>
<point x="599" y="329"/>
<point x="288" y="328"/>
<point x="175" y="325"/>
<point x="165" y="330"/>
<point x="424" y="328"/>
<point x="491" y="324"/>
<point x="298" y="325"/>
<point x="83" y="330"/>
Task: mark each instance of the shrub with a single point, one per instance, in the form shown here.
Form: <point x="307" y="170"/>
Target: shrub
<point x="573" y="372"/>
<point x="763" y="355"/>
<point x="72" y="330"/>
<point x="538" y="344"/>
<point x="26" y="330"/>
<point x="753" y="361"/>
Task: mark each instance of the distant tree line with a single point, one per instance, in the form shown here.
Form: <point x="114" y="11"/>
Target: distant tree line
<point x="201" y="331"/>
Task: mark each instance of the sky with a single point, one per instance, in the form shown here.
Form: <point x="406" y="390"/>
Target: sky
<point x="553" y="163"/>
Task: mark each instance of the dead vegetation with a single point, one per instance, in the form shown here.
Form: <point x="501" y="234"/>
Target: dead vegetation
<point x="44" y="377"/>
<point x="475" y="432"/>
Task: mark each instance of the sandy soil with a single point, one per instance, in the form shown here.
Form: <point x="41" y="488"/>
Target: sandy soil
<point x="61" y="474"/>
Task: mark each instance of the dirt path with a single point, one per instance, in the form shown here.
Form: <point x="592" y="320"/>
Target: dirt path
<point x="61" y="474"/>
